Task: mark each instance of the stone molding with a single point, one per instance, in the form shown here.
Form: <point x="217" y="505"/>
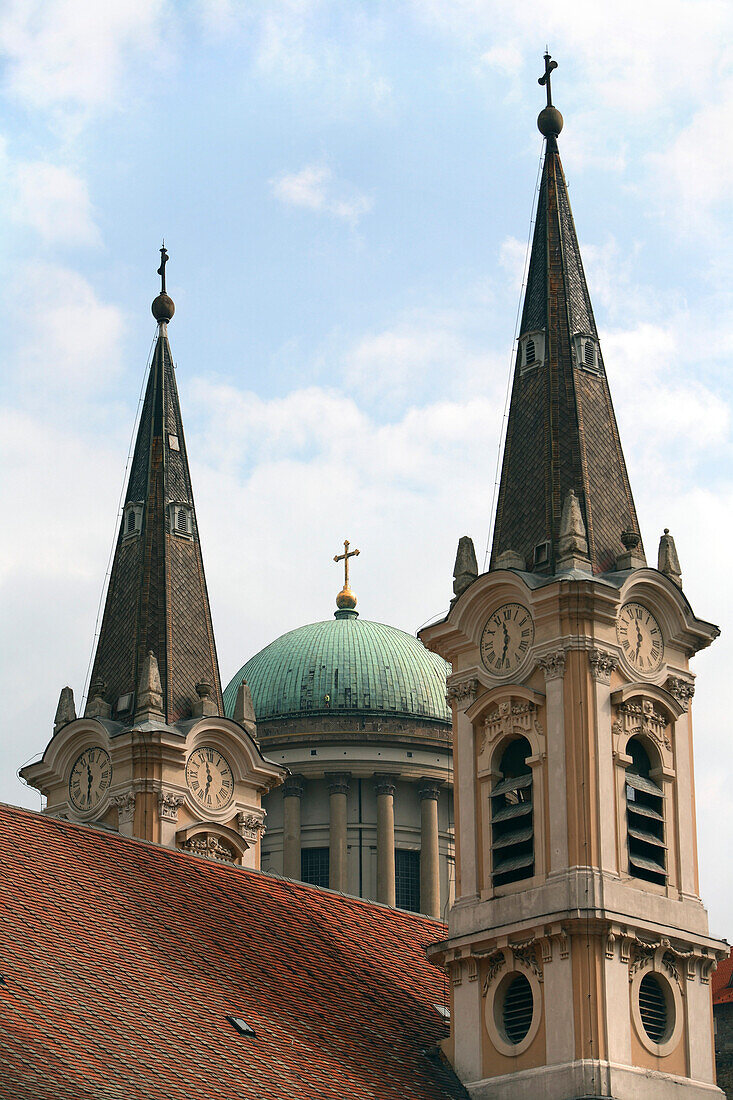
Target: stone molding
<point x="639" y="716"/>
<point x="168" y="805"/>
<point x="209" y="847"/>
<point x="385" y="784"/>
<point x="602" y="664"/>
<point x="681" y="690"/>
<point x="338" y="782"/>
<point x="462" y="693"/>
<point x="552" y="664"/>
<point x="125" y="804"/>
<point x="510" y="717"/>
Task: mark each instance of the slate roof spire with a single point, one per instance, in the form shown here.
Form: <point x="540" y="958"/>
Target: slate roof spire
<point x="157" y="603"/>
<point x="561" y="434"/>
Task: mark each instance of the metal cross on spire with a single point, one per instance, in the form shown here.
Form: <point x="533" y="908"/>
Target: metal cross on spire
<point x="545" y="79"/>
<point x="161" y="269"/>
<point x="345" y="559"/>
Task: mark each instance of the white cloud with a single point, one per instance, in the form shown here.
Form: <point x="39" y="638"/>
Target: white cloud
<point x="315" y="188"/>
<point x="72" y="53"/>
<point x="67" y="339"/>
<point x="54" y="202"/>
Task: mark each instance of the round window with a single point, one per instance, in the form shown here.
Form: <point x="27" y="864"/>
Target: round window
<point x="653" y="1008"/>
<point x="517" y="1010"/>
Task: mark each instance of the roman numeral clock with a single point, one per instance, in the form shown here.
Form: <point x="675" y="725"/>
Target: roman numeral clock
<point x="209" y="778"/>
<point x="506" y="639"/>
<point x="640" y="637"/>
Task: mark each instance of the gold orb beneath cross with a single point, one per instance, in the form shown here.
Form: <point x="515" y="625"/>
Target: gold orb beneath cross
<point x="346" y="600"/>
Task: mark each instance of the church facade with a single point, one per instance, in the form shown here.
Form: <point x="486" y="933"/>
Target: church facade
<point x="576" y="960"/>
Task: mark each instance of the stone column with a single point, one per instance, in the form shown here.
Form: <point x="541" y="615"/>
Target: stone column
<point x="384" y="785"/>
<point x="293" y="789"/>
<point x="338" y="786"/>
<point x="429" y="857"/>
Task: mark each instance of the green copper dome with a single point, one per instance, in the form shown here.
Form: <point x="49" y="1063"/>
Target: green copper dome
<point x="345" y="665"/>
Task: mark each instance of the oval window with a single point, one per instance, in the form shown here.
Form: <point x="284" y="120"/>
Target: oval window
<point x="653" y="1008"/>
<point x="517" y="1009"/>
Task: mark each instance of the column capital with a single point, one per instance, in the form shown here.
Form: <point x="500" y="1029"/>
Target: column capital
<point x="168" y="805"/>
<point x="553" y="664"/>
<point x="294" y="786"/>
<point x="384" y="784"/>
<point x="462" y="692"/>
<point x="338" y="782"/>
<point x="125" y="804"/>
<point x="429" y="788"/>
<point x="602" y="664"/>
<point x="682" y="690"/>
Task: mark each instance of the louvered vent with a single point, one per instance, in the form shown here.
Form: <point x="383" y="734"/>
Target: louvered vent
<point x="517" y="1009"/>
<point x="529" y="354"/>
<point x="590" y="354"/>
<point x="644" y="819"/>
<point x="512" y="825"/>
<point x="653" y="1008"/>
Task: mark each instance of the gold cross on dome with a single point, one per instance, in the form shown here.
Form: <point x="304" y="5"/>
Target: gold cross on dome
<point x="550" y="66"/>
<point x="345" y="559"/>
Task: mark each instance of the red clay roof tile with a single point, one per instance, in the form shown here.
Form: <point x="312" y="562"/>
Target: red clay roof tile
<point x="122" y="959"/>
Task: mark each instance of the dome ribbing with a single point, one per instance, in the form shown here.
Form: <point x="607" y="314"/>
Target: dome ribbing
<point x="344" y="665"/>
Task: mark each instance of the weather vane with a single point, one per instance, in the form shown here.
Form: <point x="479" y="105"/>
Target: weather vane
<point x="545" y="79"/>
<point x="161" y="269"/>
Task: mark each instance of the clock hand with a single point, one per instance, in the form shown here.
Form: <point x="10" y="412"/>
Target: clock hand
<point x="89" y="784"/>
<point x="639" y="640"/>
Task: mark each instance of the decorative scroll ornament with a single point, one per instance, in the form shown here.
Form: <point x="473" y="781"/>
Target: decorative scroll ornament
<point x="464" y="692"/>
<point x="602" y="664"/>
<point x="508" y="717"/>
<point x="643" y="955"/>
<point x="638" y="716"/>
<point x="526" y="956"/>
<point x="682" y="690"/>
<point x="495" y="965"/>
<point x="669" y="962"/>
<point x="553" y="664"/>
<point x="210" y="847"/>
<point x="168" y="804"/>
<point x="125" y="804"/>
<point x="251" y="825"/>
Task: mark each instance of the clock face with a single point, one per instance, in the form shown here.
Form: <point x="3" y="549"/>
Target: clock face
<point x="90" y="778"/>
<point x="640" y="636"/>
<point x="506" y="639"/>
<point x="209" y="777"/>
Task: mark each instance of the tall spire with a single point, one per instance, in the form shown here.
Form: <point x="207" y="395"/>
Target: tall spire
<point x="562" y="434"/>
<point x="157" y="604"/>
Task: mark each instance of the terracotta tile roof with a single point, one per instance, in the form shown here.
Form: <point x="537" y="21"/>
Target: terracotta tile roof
<point x="120" y="961"/>
<point x="723" y="981"/>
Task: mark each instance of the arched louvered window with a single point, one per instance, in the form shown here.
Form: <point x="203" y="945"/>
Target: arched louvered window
<point x="644" y="818"/>
<point x="529" y="352"/>
<point x="512" y="823"/>
<point x="589" y="354"/>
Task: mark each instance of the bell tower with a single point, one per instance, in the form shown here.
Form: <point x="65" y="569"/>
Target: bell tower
<point x="153" y="755"/>
<point x="578" y="949"/>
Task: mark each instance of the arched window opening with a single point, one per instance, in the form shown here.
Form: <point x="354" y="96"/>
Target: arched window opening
<point x="529" y="352"/>
<point x="512" y="826"/>
<point x="644" y="818"/>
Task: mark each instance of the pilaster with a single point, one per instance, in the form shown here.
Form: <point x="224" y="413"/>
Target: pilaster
<point x="460" y="696"/>
<point x="553" y="666"/>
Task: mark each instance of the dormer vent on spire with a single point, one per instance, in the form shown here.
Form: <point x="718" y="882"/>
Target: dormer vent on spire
<point x="561" y="433"/>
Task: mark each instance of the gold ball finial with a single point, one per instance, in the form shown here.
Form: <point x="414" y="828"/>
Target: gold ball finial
<point x="346" y="600"/>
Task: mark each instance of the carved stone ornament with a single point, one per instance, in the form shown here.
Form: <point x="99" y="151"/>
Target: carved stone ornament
<point x="384" y="784"/>
<point x="519" y="718"/>
<point x="642" y="955"/>
<point x="602" y="664"/>
<point x="682" y="690"/>
<point x="463" y="693"/>
<point x="669" y="962"/>
<point x="210" y="847"/>
<point x="638" y="716"/>
<point x="472" y="968"/>
<point x="610" y="945"/>
<point x="168" y="804"/>
<point x="553" y="664"/>
<point x="338" y="782"/>
<point x="526" y="956"/>
<point x="455" y="969"/>
<point x="251" y="825"/>
<point x="495" y="965"/>
<point x="125" y="804"/>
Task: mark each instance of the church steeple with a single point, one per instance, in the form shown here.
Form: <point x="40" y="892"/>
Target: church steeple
<point x="562" y="435"/>
<point x="157" y="603"/>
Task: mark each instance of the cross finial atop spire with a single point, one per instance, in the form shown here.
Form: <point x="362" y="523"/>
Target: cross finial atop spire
<point x="550" y="65"/>
<point x="161" y="269"/>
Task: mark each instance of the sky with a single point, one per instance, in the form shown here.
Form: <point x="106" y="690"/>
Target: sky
<point x="346" y="193"/>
